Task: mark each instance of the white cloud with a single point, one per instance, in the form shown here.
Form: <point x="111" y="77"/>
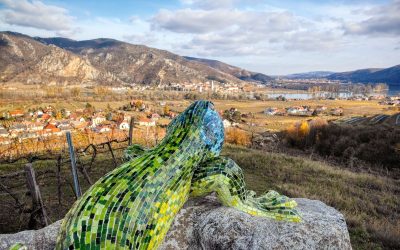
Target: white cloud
<point x="240" y="32"/>
<point x="146" y="38"/>
<point x="204" y="21"/>
<point x="210" y="4"/>
<point x="381" y="20"/>
<point x="194" y="21"/>
<point x="36" y="14"/>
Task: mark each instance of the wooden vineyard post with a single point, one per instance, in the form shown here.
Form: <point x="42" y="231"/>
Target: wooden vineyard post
<point x="112" y="153"/>
<point x="83" y="170"/>
<point x="131" y="124"/>
<point x="34" y="191"/>
<point x="77" y="188"/>
<point x="59" y="162"/>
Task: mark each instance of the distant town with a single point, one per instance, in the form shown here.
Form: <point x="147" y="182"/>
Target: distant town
<point x="44" y="122"/>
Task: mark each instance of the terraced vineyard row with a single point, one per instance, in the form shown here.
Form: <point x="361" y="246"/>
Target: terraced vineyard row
<point x="391" y="120"/>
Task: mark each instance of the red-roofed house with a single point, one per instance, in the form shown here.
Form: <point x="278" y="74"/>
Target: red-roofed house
<point x="155" y="116"/>
<point x="51" y="129"/>
<point x="45" y="117"/>
<point x="16" y="113"/>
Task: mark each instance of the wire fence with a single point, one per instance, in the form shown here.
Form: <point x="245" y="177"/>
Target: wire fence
<point x="36" y="184"/>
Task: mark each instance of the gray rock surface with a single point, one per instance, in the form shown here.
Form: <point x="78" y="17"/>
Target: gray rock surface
<point x="204" y="224"/>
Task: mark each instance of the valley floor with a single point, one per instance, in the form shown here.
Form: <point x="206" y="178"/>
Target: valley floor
<point x="260" y="122"/>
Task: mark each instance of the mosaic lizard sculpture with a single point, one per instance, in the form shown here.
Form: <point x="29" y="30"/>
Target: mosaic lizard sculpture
<point x="133" y="206"/>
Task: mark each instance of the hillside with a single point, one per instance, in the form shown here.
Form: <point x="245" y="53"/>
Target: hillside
<point x="240" y="73"/>
<point x="367" y="201"/>
<point x="389" y="75"/>
<point x="138" y="63"/>
<point x="25" y="60"/>
<point x="62" y="61"/>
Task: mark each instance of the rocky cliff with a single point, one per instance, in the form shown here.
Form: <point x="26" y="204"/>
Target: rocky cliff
<point x="25" y="60"/>
<point x="204" y="224"/>
<point x="99" y="61"/>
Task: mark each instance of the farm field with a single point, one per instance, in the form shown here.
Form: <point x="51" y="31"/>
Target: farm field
<point x="261" y="122"/>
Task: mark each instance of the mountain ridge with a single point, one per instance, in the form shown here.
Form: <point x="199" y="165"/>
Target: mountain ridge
<point x="58" y="60"/>
<point x="98" y="61"/>
<point x="240" y="73"/>
<point x="389" y="75"/>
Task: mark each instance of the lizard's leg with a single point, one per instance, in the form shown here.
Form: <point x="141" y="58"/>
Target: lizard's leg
<point x="223" y="176"/>
<point x="134" y="151"/>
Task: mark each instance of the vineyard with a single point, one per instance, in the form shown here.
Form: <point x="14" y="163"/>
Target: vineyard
<point x="36" y="178"/>
<point x="380" y="119"/>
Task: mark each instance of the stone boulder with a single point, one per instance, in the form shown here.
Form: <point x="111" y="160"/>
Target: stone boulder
<point x="204" y="224"/>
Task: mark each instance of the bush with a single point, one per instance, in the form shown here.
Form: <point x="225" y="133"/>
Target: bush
<point x="297" y="133"/>
<point x="377" y="145"/>
<point x="237" y="136"/>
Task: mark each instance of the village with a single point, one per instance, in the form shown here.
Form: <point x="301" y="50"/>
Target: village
<point x="40" y="123"/>
<point x="303" y="111"/>
<point x="45" y="122"/>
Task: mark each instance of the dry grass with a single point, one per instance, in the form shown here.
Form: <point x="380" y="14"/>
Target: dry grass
<point x="237" y="136"/>
<point x="370" y="203"/>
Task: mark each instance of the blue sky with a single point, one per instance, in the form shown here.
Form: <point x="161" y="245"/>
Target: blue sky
<point x="272" y="37"/>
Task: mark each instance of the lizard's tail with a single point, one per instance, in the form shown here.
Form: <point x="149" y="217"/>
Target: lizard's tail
<point x="18" y="246"/>
<point x="225" y="177"/>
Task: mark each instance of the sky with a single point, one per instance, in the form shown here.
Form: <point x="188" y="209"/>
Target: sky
<point x="273" y="37"/>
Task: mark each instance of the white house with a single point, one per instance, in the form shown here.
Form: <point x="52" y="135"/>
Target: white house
<point x="299" y="110"/>
<point x="34" y="126"/>
<point x="39" y="113"/>
<point x="226" y="123"/>
<point x="124" y="125"/>
<point x="104" y="129"/>
<point x="96" y="120"/>
<point x="271" y="111"/>
<point x="17" y="127"/>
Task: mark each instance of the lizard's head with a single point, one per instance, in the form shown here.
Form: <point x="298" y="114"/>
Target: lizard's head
<point x="201" y="120"/>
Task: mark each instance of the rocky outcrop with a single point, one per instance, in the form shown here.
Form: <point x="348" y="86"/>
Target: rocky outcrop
<point x="25" y="60"/>
<point x="63" y="61"/>
<point x="204" y="224"/>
